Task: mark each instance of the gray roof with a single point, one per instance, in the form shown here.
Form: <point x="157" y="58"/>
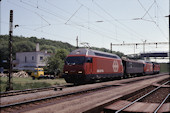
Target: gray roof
<point x="85" y="51"/>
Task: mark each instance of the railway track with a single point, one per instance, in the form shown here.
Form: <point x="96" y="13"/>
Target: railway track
<point x="144" y="103"/>
<point x="14" y="106"/>
<point x="27" y="91"/>
<point x="161" y="104"/>
<point x="56" y="96"/>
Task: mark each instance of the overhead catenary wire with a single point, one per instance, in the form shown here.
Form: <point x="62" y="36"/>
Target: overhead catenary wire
<point x="44" y="20"/>
<point x="146" y="12"/>
<point x="35" y="30"/>
<point x="83" y="19"/>
<point x="159" y="9"/>
<point x="58" y="35"/>
<point x="97" y="15"/>
<point x="44" y="10"/>
<point x="89" y="23"/>
<point x="125" y="25"/>
<point x="55" y="15"/>
<point x="26" y="27"/>
<point x="73" y="14"/>
<point x="127" y="28"/>
<point x="33" y="11"/>
<point x="34" y="6"/>
<point x="107" y="20"/>
<point x="78" y="25"/>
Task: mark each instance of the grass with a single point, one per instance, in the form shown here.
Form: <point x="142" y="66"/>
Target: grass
<point x="28" y="83"/>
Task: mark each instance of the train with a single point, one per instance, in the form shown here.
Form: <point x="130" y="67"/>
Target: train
<point x="86" y="65"/>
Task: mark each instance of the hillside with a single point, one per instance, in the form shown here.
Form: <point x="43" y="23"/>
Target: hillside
<point x="28" y="44"/>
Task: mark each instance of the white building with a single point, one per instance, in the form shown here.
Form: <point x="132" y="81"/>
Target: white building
<point x="30" y="60"/>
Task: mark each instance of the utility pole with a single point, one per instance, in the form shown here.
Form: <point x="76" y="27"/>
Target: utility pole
<point x="134" y="48"/>
<point x="77" y="42"/>
<point x="0" y="17"/>
<point x="9" y="83"/>
<point x="110" y="47"/>
<point x="144" y="42"/>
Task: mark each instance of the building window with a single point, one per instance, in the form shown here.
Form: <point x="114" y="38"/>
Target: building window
<point x="41" y="57"/>
<point x="32" y="57"/>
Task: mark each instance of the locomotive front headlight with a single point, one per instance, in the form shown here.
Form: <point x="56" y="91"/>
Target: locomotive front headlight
<point x="66" y="72"/>
<point x="80" y="72"/>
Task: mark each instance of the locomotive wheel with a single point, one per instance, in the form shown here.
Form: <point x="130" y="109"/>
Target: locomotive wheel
<point x="125" y="76"/>
<point x="119" y="78"/>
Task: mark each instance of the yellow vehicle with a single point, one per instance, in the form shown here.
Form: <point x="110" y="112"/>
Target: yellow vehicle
<point x="37" y="73"/>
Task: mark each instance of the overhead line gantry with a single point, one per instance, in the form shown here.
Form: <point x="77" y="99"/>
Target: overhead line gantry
<point x="136" y="44"/>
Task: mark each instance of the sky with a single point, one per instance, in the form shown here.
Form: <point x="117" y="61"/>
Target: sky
<point x="97" y="22"/>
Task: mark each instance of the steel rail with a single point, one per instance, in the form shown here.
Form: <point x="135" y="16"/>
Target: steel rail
<point x="161" y="103"/>
<point x="55" y="96"/>
<point x="148" y="77"/>
<point x="12" y="93"/>
<point x="140" y="98"/>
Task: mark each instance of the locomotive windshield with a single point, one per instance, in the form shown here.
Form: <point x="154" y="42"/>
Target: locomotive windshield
<point x="75" y="60"/>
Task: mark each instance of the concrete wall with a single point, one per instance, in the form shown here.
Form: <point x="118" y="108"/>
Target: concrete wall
<point x="30" y="60"/>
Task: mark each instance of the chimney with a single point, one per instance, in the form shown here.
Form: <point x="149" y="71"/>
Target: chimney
<point x="37" y="47"/>
<point x="45" y="51"/>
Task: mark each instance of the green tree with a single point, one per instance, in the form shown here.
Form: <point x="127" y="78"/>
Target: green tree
<point x="62" y="54"/>
<point x="55" y="63"/>
<point x="23" y="46"/>
<point x="4" y="53"/>
<point x="49" y="48"/>
<point x="33" y="39"/>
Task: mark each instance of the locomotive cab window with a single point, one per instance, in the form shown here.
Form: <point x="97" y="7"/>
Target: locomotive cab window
<point x="89" y="59"/>
<point x="75" y="60"/>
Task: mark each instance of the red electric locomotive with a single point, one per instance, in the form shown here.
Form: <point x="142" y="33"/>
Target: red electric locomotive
<point x="148" y="68"/>
<point x="156" y="68"/>
<point x="84" y="65"/>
